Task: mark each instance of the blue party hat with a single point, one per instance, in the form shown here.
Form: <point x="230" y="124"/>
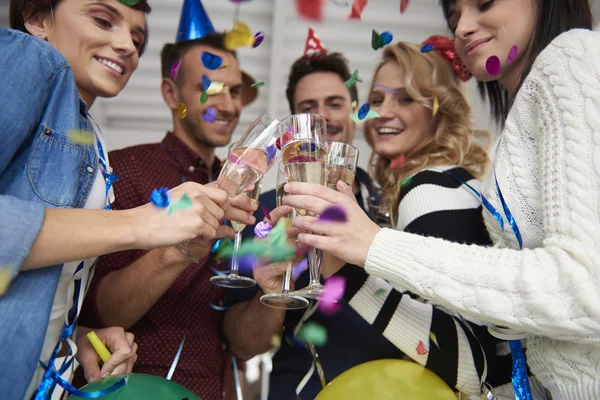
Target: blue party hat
<point x="194" y="22"/>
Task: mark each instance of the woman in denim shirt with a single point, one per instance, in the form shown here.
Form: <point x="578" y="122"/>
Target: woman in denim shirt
<point x="61" y="57"/>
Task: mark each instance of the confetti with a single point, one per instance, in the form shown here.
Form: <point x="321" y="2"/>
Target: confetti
<point x="5" y="275"/>
<point x="276" y="341"/>
<point x="333" y="293"/>
<point x="354" y="104"/>
<point x="314" y="47"/>
<point x="209" y="115"/>
<point x="257" y="84"/>
<point x="372" y="114"/>
<point x="175" y="69"/>
<point x="436" y="106"/>
<point x="379" y="292"/>
<point x="313" y="333"/>
<point x="129" y="3"/>
<point x="398" y="162"/>
<point x="492" y="65"/>
<point x="353" y="79"/>
<point x="211" y="61"/>
<point x="378" y="41"/>
<point x="84" y="138"/>
<point x="427" y="48"/>
<point x="258" y="39"/>
<point x="181" y="110"/>
<point x="421" y="350"/>
<point x="247" y="262"/>
<point x="182" y="204"/>
<point x="512" y="54"/>
<point x="204" y="97"/>
<point x="363" y="111"/>
<point x="215" y="88"/>
<point x="271" y="152"/>
<point x="310" y="9"/>
<point x="160" y="197"/>
<point x="239" y="36"/>
<point x="265" y="211"/>
<point x="405" y="182"/>
<point x="287" y="137"/>
<point x="262" y="229"/>
<point x="357" y="9"/>
<point x="433" y="338"/>
<point x="335" y="213"/>
<point x="403" y="5"/>
<point x="299" y="268"/>
<point x="206" y="82"/>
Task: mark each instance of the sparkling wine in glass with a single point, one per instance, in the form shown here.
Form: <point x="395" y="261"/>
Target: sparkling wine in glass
<point x="285" y="300"/>
<point x="305" y="158"/>
<point x="248" y="160"/>
<point x="342" y="162"/>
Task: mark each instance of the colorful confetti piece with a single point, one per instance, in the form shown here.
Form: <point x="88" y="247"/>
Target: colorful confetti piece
<point x="5" y="275"/>
<point x="353" y="79"/>
<point x="271" y="152"/>
<point x="512" y="54"/>
<point x="299" y="268"/>
<point x="333" y="293"/>
<point x="363" y="111"/>
<point x="436" y="106"/>
<point x="209" y="115"/>
<point x="262" y="229"/>
<point x="405" y="182"/>
<point x="181" y="110"/>
<point x="276" y="341"/>
<point x="239" y="36"/>
<point x="398" y="162"/>
<point x="379" y="292"/>
<point x="378" y="41"/>
<point x="206" y="82"/>
<point x="427" y="48"/>
<point x="421" y="350"/>
<point x="357" y="8"/>
<point x="492" y="65"/>
<point x="310" y="9"/>
<point x="433" y="338"/>
<point x="175" y="69"/>
<point x="129" y="3"/>
<point x="257" y="84"/>
<point x="266" y="212"/>
<point x="386" y="38"/>
<point x="182" y="204"/>
<point x="160" y="197"/>
<point x="204" y="97"/>
<point x="84" y="138"/>
<point x="258" y="39"/>
<point x="354" y="104"/>
<point x="335" y="213"/>
<point x="314" y="47"/>
<point x="211" y="61"/>
<point x="313" y="333"/>
<point x="403" y="6"/>
<point x="372" y="114"/>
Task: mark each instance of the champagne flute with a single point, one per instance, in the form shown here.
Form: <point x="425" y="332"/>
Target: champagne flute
<point x="381" y="209"/>
<point x="342" y="161"/>
<point x="248" y="160"/>
<point x="304" y="156"/>
<point x="285" y="300"/>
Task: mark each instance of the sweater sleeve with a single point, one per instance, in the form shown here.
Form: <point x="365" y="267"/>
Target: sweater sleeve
<point x="552" y="290"/>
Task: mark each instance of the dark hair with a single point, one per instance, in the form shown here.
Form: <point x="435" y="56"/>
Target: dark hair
<point x="17" y="8"/>
<point x="553" y="17"/>
<point x="332" y="62"/>
<point x="172" y="52"/>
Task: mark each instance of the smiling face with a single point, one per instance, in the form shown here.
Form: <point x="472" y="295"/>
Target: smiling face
<point x="325" y="93"/>
<point x="100" y="39"/>
<point x="485" y="28"/>
<point x="227" y="105"/>
<point x="404" y="123"/>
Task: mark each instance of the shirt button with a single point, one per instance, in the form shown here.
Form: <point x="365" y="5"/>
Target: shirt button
<point x="191" y="168"/>
<point x="90" y="169"/>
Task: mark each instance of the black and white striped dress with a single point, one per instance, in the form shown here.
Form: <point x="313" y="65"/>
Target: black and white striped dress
<point x="435" y="203"/>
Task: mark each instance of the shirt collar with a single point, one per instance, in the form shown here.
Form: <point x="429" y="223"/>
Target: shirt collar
<point x="186" y="157"/>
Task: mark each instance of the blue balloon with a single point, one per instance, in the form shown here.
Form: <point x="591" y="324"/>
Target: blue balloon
<point x="194" y="22"/>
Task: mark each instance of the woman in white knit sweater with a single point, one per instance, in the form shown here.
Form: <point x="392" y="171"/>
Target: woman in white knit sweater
<point x="542" y="278"/>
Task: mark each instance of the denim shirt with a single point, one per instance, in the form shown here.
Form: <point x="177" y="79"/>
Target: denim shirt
<point x="39" y="168"/>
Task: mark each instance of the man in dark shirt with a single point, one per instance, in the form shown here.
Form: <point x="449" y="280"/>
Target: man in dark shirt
<point x="315" y="86"/>
<point x="160" y="295"/>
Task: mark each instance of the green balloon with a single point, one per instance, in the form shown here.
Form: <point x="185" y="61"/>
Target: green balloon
<point x="140" y="386"/>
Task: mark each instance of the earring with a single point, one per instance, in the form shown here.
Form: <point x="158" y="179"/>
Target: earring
<point x="181" y="110"/>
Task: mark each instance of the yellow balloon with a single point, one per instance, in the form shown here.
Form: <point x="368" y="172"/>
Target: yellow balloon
<point x="387" y="380"/>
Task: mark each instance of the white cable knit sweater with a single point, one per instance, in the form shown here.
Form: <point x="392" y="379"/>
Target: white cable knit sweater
<point x="548" y="169"/>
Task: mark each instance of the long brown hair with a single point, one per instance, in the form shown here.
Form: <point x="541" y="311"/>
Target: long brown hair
<point x="428" y="76"/>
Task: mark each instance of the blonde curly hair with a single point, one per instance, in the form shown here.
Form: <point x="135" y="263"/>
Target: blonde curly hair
<point x="428" y="76"/>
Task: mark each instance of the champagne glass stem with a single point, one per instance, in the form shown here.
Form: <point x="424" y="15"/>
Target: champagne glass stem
<point x="314" y="266"/>
<point x="235" y="265"/>
<point x="287" y="278"/>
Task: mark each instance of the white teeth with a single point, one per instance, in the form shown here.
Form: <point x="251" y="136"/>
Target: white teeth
<point x="221" y="122"/>
<point x="388" y="131"/>
<point x="110" y="64"/>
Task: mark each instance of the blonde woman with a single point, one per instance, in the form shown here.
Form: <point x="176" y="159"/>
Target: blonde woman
<point x="427" y="162"/>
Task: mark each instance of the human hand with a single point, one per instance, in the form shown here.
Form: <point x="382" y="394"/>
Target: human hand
<point x="118" y="342"/>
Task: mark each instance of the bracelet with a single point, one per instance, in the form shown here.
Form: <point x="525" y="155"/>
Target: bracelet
<point x="182" y="247"/>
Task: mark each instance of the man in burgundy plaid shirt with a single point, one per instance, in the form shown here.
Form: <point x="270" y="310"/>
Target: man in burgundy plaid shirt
<point x="160" y="295"/>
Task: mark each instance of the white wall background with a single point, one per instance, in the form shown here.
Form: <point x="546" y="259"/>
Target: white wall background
<point x="138" y="114"/>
